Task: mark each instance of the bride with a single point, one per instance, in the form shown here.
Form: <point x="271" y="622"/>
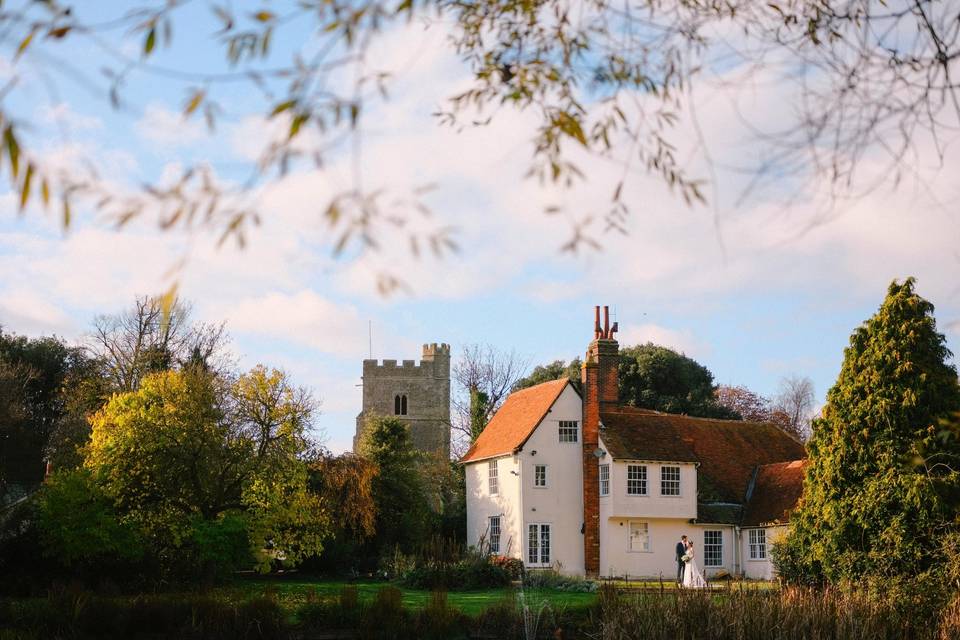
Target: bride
<point x="692" y="577"/>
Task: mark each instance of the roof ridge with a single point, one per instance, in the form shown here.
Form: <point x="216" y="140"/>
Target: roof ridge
<point x="506" y="432"/>
<point x="537" y="386"/>
<point x="685" y="416"/>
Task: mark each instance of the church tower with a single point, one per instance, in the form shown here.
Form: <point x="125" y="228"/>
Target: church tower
<point x="418" y="393"/>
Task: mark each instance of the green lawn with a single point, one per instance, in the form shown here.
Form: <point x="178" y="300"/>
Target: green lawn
<point x="294" y="592"/>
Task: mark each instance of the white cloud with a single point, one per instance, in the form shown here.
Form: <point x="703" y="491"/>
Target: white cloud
<point x="304" y="318"/>
<point x="29" y="313"/>
<point x="679" y="340"/>
<point x="62" y="115"/>
<point x="169" y="129"/>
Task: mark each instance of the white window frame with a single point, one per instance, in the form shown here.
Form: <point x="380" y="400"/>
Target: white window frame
<point x="664" y="481"/>
<point x="493" y="478"/>
<point x="645" y="536"/>
<point x="706" y="556"/>
<point x="758" y="544"/>
<point x="536" y="477"/>
<point x="568" y="431"/>
<point x="535" y="556"/>
<point x="641" y="479"/>
<point x="604" y="480"/>
<point x="493" y="525"/>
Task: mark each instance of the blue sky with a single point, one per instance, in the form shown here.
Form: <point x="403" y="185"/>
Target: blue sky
<point x="749" y="289"/>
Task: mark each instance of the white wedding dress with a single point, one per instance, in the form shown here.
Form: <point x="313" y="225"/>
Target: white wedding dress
<point x="692" y="577"/>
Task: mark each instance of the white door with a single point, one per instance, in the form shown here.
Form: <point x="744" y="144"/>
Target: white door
<point x="538" y="545"/>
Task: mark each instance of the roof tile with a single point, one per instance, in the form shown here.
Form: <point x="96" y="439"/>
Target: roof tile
<point x="515" y="421"/>
<point x="728" y="450"/>
<point x="775" y="493"/>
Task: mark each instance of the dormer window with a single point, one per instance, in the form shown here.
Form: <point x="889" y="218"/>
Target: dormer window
<point x="400" y="405"/>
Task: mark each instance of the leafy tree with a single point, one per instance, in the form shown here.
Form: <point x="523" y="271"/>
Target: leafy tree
<point x="603" y="78"/>
<point x="753" y="407"/>
<point x="84" y="391"/>
<point x="402" y="499"/>
<point x="188" y="453"/>
<point x="747" y="404"/>
<point x="36" y="376"/>
<point x="18" y="447"/>
<point x="652" y="377"/>
<point x="659" y="378"/>
<point x="345" y="485"/>
<point x="881" y="492"/>
<point x="553" y="371"/>
<point x="79" y="525"/>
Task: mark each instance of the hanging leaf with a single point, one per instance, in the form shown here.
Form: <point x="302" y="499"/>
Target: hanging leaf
<point x="150" y="42"/>
<point x="45" y="192"/>
<point x="195" y="99"/>
<point x="59" y="32"/>
<point x="297" y="122"/>
<point x="13" y="150"/>
<point x="167" y="300"/>
<point x="67" y="216"/>
<point x="264" y="16"/>
<point x="24" y="44"/>
<point x="25" y="190"/>
<point x="283" y="106"/>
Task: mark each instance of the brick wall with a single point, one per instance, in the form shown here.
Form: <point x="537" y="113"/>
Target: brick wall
<point x="599" y="376"/>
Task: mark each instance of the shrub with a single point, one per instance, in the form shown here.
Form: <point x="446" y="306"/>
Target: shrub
<point x="385" y="617"/>
<point x="500" y="620"/>
<point x="440" y="622"/>
<point x="342" y="613"/>
<point x="466" y="575"/>
<point x="552" y="579"/>
<point x="513" y="566"/>
<point x="397" y="565"/>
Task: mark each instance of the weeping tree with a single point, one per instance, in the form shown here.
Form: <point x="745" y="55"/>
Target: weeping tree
<point x="881" y="491"/>
<point x="871" y="86"/>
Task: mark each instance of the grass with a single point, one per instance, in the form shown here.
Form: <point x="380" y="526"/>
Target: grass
<point x="294" y="592"/>
<point x="670" y="585"/>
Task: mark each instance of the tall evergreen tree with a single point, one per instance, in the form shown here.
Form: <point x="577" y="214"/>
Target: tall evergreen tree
<point x="880" y="492"/>
<point x="402" y="503"/>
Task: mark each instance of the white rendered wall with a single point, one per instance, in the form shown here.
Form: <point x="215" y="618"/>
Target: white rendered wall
<point x="616" y="558"/>
<point x="560" y="503"/>
<point x="506" y="503"/>
<point x="653" y="504"/>
<point x="760" y="569"/>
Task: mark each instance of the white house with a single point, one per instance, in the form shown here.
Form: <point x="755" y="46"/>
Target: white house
<point x="585" y="485"/>
<point x="524" y="487"/>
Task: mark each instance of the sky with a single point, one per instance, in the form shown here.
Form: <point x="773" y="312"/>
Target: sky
<point x="751" y="289"/>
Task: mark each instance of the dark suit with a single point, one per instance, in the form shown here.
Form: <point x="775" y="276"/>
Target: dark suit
<point x="680" y="551"/>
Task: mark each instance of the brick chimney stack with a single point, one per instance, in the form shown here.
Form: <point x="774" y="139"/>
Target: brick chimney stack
<point x="599" y="376"/>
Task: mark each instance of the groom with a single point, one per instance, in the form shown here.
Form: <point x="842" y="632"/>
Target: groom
<point x="681" y="549"/>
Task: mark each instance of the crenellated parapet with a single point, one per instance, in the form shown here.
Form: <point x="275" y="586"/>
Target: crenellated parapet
<point x="435" y="362"/>
<point x="416" y="391"/>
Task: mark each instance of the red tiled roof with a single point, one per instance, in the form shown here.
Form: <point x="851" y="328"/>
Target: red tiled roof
<point x="728" y="450"/>
<point x="775" y="493"/>
<point x="513" y="423"/>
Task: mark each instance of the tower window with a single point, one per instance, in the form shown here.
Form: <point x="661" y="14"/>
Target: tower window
<point x="400" y="405"/>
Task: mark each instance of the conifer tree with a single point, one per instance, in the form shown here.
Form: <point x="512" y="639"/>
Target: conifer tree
<point x="880" y="491"/>
<point x="402" y="507"/>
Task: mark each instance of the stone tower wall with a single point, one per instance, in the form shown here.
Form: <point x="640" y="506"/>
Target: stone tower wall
<point x="426" y="385"/>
